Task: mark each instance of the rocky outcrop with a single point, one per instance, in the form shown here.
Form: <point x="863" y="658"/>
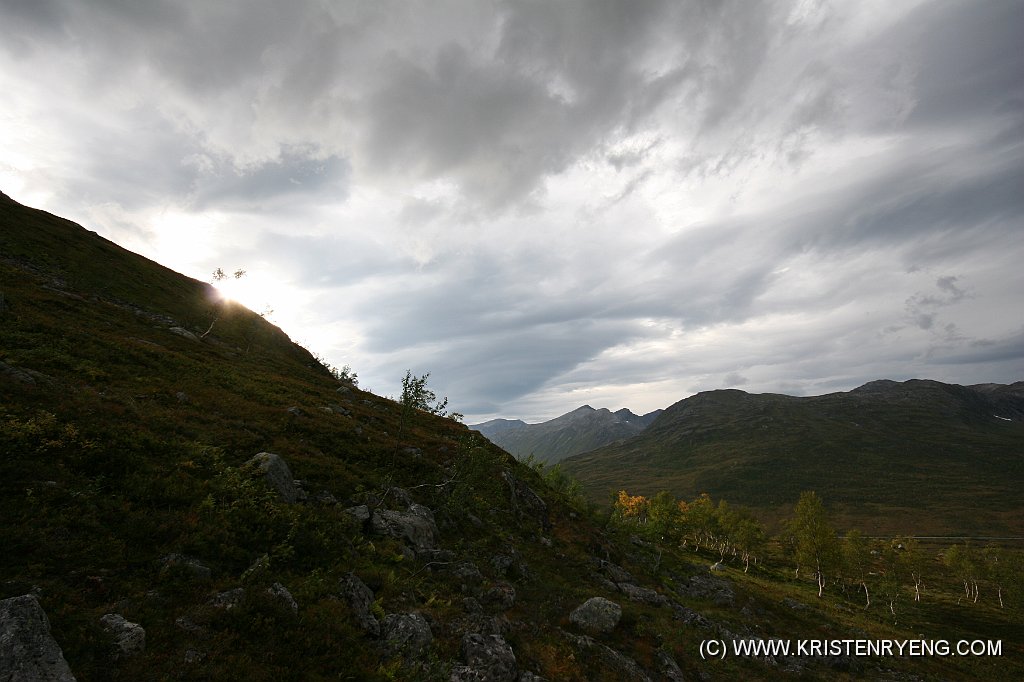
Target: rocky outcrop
<point x="129" y="638"/>
<point x="701" y="586"/>
<point x="180" y="562"/>
<point x="416" y="526"/>
<point x="488" y="658"/>
<point x="597" y="614"/>
<point x="360" y="601"/>
<point x="644" y="595"/>
<point x="624" y="667"/>
<point x="524" y="501"/>
<point x="282" y="595"/>
<point x="407" y="634"/>
<point x="277" y="475"/>
<point x="28" y="653"/>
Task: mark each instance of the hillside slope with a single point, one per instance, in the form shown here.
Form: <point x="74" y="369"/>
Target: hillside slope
<point x="578" y="431"/>
<point x="138" y="512"/>
<point x="914" y="457"/>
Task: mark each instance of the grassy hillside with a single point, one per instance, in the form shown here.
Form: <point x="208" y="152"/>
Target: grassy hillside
<point x="917" y="457"/>
<point x="127" y="487"/>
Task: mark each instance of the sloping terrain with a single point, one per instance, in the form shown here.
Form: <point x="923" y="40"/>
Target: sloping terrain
<point x="578" y="431"/>
<point x="917" y="457"/>
<point x="187" y="495"/>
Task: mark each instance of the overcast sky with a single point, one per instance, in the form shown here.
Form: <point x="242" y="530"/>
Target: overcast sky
<point x="546" y="204"/>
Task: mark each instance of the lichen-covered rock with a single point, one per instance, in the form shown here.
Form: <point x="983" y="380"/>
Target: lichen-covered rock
<point x="228" y="599"/>
<point x="360" y="513"/>
<point x="597" y="614"/>
<point x="417" y="526"/>
<point x="488" y="658"/>
<point x="281" y="593"/>
<point x="644" y="595"/>
<point x="611" y="661"/>
<point x="360" y="600"/>
<point x="277" y="475"/>
<point x="702" y="586"/>
<point x="669" y="668"/>
<point x="129" y="638"/>
<point x="501" y="596"/>
<point x="28" y="652"/>
<point x="408" y="634"/>
<point x="523" y="499"/>
<point x="194" y="567"/>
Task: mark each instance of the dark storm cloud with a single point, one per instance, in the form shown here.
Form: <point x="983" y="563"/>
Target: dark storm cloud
<point x="535" y="200"/>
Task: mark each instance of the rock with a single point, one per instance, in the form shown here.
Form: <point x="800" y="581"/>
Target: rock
<point x="669" y="668"/>
<point x="28" y="652"/>
<point x="129" y="638"/>
<point x="690" y="617"/>
<point x="257" y="569"/>
<point x="407" y="634"/>
<point x="326" y="499"/>
<point x="624" y="667"/>
<point x="527" y="676"/>
<point x="184" y="333"/>
<point x="502" y="596"/>
<point x="467" y="573"/>
<point x="295" y="411"/>
<point x="510" y="565"/>
<point x="615" y="572"/>
<point x="487" y="657"/>
<point x="185" y="563"/>
<point x="182" y="397"/>
<point x="25" y="376"/>
<point x="360" y="513"/>
<point x="281" y="593"/>
<point x="416" y="526"/>
<point x="597" y="614"/>
<point x="228" y="599"/>
<point x="441" y="556"/>
<point x="188" y="625"/>
<point x="706" y="586"/>
<point x="360" y="600"/>
<point x="522" y="498"/>
<point x="277" y="475"/>
<point x="301" y="495"/>
<point x="644" y="595"/>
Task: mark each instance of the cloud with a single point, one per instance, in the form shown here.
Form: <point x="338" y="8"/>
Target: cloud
<point x="545" y="204"/>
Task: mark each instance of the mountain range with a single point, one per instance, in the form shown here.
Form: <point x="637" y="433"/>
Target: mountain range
<point x="583" y="429"/>
<point x="915" y="457"/>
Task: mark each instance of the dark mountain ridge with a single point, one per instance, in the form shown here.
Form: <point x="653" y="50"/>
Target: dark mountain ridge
<point x="580" y="430"/>
<point x="919" y="455"/>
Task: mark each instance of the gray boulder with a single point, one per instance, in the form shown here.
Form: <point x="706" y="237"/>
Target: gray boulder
<point x="187" y="564"/>
<point x="28" y="652"/>
<point x="228" y="599"/>
<point x="129" y="638"/>
<point x="644" y="595"/>
<point x="597" y="614"/>
<point x="705" y="586"/>
<point x="610" y="660"/>
<point x="416" y="526"/>
<point x="407" y="634"/>
<point x="281" y="593"/>
<point x="277" y="475"/>
<point x="360" y="600"/>
<point x="488" y="658"/>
